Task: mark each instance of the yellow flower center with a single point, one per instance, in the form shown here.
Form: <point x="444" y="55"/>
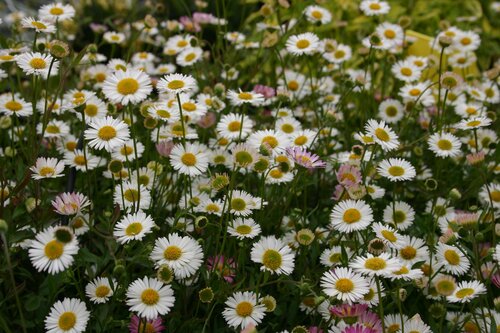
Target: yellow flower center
<point x="406" y="71"/>
<point x="190" y="57"/>
<point x="382" y="135"/>
<point x="302" y="44"/>
<point x="344" y="285"/>
<point x="452" y="257"/>
<point x="6" y="57"/>
<point x="390" y="34"/>
<point x="175" y="84"/>
<point x="71" y="145"/>
<point x="127" y="86"/>
<point x="47" y="171"/>
<point x="56" y="11"/>
<point x="188" y="106"/>
<point x="375" y="263"/>
<point x="339" y="54"/>
<point x="389" y="235"/>
<point x="474" y="123"/>
<point x="300" y="140"/>
<point x="172" y="252"/>
<point x="271" y="259"/>
<point x="444" y="144"/>
<point x="54" y="249"/>
<point x="243" y="158"/>
<point x="150" y="296"/>
<point x="495" y="196"/>
<point x="234" y="126"/>
<point x="38" y="25"/>
<point x="276" y="173"/>
<point x="408" y="252"/>
<point x="391" y="111"/>
<point x="182" y="43"/>
<point x="293" y="85"/>
<point x="401" y="271"/>
<point x="243" y="229"/>
<point x="244" y="309"/>
<point x="465" y="41"/>
<point x="271" y="141"/>
<point x="471" y="111"/>
<point x="396" y="171"/>
<point x="287" y="128"/>
<point x="351" y="215"/>
<point x="238" y="204"/>
<point x="38" y="63"/>
<point x="375" y="6"/>
<point x="445" y="287"/>
<point x="245" y="96"/>
<point x="133" y="229"/>
<point x="91" y="110"/>
<point x="102" y="291"/>
<point x="464" y="292"/>
<point x="79" y="160"/>
<point x="67" y="321"/>
<point x="414" y="92"/>
<point x="126" y="150"/>
<point x="188" y="159"/>
<point x="212" y="208"/>
<point x="317" y="14"/>
<point x="163" y="113"/>
<point x="131" y="195"/>
<point x="100" y="77"/>
<point x="106" y="133"/>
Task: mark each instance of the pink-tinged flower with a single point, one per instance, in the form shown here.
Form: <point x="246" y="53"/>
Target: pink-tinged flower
<point x="268" y="92"/>
<point x="465" y="218"/>
<point x="98" y="28"/>
<point x="475" y="158"/>
<point x="189" y="24"/>
<point x="249" y="329"/>
<point x="152" y="326"/>
<point x="358" y="329"/>
<point x="315" y="329"/>
<point x="304" y="158"/>
<point x="371" y="320"/>
<point x="164" y="147"/>
<point x="339" y="192"/>
<point x="204" y="18"/>
<point x="348" y="175"/>
<point x="348" y="310"/>
<point x="70" y="203"/>
<point x="496" y="280"/>
<point x="483" y="249"/>
<point x="225" y="266"/>
<point x="208" y="120"/>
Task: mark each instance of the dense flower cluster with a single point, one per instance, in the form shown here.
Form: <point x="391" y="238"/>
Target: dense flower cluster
<point x="289" y="174"/>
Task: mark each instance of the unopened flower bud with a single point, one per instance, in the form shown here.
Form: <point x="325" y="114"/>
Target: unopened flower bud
<point x="4" y="227"/>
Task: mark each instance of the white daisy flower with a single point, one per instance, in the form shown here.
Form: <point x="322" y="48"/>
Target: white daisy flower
<point x="56" y="12"/>
<point x="374" y="7"/>
<point x="69" y="315"/>
<point x="107" y="133"/>
<point x="177" y="83"/>
<point x="452" y="259"/>
<point x="444" y="145"/>
<point x="412" y="250"/>
<point x="276" y="141"/>
<point x="383" y="265"/>
<point x="189" y="56"/>
<point x="99" y="290"/>
<point x="210" y="206"/>
<point x="351" y="215"/>
<point x="189" y="160"/>
<point x="49" y="254"/>
<point x="150" y="298"/>
<point x="38" y="25"/>
<point x="306" y="43"/>
<point x="416" y="325"/>
<point x="388" y="235"/>
<point x="244" y="97"/>
<point x="161" y="111"/>
<point x="274" y="255"/>
<point x="490" y="195"/>
<point x="406" y="71"/>
<point x="243" y="203"/>
<point x="473" y="122"/>
<point x="47" y="168"/>
<point x="126" y="152"/>
<point x="399" y="214"/>
<point x="382" y="134"/>
<point x="391" y="111"/>
<point x="317" y="14"/>
<point x="129" y="86"/>
<point x="303" y="138"/>
<point x="234" y="126"/>
<point x="182" y="254"/>
<point x="36" y="63"/>
<point x="343" y="284"/>
<point x="133" y="227"/>
<point x="113" y="37"/>
<point x="132" y="196"/>
<point x="243" y="309"/>
<point x="95" y="108"/>
<point x="242" y="228"/>
<point x="391" y="34"/>
<point x="80" y="161"/>
<point x="396" y="169"/>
